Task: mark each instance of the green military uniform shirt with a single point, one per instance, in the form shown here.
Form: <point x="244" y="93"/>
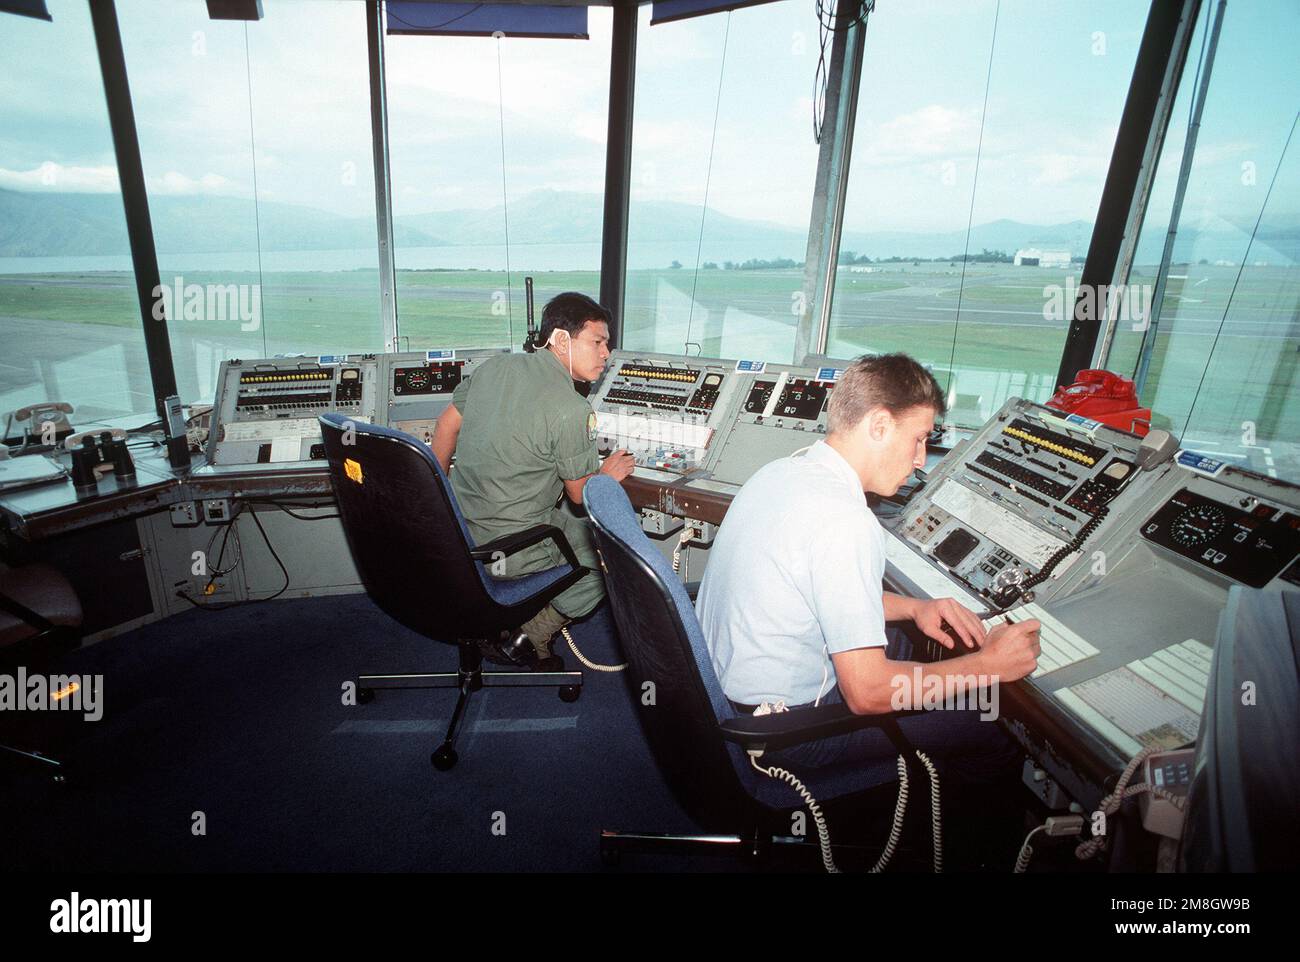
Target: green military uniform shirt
<point x="525" y="431"/>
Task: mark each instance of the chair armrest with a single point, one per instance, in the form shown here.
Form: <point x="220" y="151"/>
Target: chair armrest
<point x="24" y="614"/>
<point x="783" y="729"/>
<point x="509" y="544"/>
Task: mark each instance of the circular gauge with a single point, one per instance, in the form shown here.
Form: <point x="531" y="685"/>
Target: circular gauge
<point x="1197" y="525"/>
<point x="1008" y="577"/>
<point x="417" y="380"/>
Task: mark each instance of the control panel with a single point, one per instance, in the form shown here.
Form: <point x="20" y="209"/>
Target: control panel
<point x="419" y="385"/>
<point x="713" y="419"/>
<point x="1011" y="511"/>
<point x="783" y="409"/>
<point x="1125" y="553"/>
<point x="665" y="410"/>
<point x="265" y="410"/>
<point x="1239" y="536"/>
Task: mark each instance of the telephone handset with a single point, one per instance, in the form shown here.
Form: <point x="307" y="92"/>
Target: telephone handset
<point x="36" y="417"/>
<point x="45" y="407"/>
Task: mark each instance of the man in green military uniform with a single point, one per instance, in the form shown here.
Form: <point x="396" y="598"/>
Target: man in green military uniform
<point x="523" y="437"/>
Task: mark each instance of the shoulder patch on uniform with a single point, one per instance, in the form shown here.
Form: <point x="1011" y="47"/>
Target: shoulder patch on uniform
<point x="591" y="426"/>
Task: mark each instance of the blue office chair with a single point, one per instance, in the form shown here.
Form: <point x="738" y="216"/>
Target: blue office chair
<point x="417" y="561"/>
<point x="696" y="737"/>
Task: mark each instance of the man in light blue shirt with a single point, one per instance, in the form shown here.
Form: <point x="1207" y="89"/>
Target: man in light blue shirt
<point x="792" y="604"/>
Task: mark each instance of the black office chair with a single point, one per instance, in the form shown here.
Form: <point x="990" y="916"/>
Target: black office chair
<point x="40" y="619"/>
<point x="419" y="564"/>
<point x="698" y="741"/>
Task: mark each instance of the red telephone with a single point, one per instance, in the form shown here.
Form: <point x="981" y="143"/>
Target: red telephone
<point x="1106" y="397"/>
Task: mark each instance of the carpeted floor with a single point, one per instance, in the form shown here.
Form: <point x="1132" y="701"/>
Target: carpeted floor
<point x="225" y="745"/>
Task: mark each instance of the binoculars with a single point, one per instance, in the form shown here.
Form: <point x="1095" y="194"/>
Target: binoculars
<point x="87" y="455"/>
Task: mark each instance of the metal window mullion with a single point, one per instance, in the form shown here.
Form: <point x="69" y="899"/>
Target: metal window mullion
<point x="831" y="187"/>
<point x="618" y="167"/>
<point x="1148" y="348"/>
<point x="1123" y="176"/>
<point x="135" y="198"/>
<point x="1150" y="166"/>
<point x="383" y="183"/>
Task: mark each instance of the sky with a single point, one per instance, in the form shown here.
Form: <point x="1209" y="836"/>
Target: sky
<point x="1057" y="84"/>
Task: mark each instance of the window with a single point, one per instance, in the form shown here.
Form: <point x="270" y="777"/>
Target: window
<point x="69" y="318"/>
<point x="723" y="165"/>
<point x="497" y="159"/>
<point x="966" y="219"/>
<point x="255" y="139"/>
<point x="1223" y="364"/>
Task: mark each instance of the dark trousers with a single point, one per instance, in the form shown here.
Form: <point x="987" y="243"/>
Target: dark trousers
<point x="963" y="747"/>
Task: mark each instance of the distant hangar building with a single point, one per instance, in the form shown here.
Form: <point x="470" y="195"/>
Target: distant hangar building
<point x="1037" y="257"/>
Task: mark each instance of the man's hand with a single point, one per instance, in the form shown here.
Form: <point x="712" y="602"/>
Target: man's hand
<point x="932" y="617"/>
<point x="618" y="465"/>
<point x="1011" y="651"/>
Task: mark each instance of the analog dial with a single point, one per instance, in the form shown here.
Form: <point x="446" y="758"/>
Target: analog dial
<point x="1197" y="525"/>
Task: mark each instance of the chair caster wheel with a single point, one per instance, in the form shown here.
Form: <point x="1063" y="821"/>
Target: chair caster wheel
<point x="570" y="693"/>
<point x="444" y="758"/>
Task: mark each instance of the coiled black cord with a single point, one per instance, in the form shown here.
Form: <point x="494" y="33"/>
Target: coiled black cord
<point x="1045" y="572"/>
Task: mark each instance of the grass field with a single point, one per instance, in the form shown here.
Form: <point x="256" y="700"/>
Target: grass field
<point x="74" y="336"/>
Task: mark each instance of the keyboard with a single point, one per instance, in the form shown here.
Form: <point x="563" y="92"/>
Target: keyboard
<point x="1153" y="702"/>
<point x="1180" y="671"/>
<point x="1060" y="646"/>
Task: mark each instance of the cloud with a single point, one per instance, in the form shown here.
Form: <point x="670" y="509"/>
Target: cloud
<point x="930" y="132"/>
<point x="54" y="176"/>
<point x="673" y="136"/>
<point x="1056" y="168"/>
<point x="589" y="126"/>
<point x="175" y="183"/>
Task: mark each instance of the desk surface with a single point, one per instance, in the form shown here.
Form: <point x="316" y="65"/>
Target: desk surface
<point x="46" y="510"/>
<point x="57" y="506"/>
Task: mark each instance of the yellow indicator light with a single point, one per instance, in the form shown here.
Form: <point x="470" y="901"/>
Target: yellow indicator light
<point x="65" y="691"/>
<point x="353" y="470"/>
<point x="1049" y="446"/>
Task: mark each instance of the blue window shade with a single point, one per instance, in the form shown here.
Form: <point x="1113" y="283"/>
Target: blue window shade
<point x="485" y="19"/>
<point x="666" y="11"/>
<point x="26" y="8"/>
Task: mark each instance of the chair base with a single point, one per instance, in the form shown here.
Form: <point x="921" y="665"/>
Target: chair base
<point x="468" y="679"/>
<point x="33" y="762"/>
<point x="758" y="848"/>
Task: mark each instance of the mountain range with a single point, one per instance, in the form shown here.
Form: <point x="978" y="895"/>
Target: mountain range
<point x="48" y="224"/>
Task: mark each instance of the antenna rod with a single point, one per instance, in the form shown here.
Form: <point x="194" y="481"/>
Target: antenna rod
<point x="528" y="300"/>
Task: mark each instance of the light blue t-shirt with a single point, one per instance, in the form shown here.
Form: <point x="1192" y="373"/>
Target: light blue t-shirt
<point x="795" y="576"/>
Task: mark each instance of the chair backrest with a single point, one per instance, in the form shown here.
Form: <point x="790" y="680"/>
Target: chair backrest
<point x="408" y="538"/>
<point x="664" y="645"/>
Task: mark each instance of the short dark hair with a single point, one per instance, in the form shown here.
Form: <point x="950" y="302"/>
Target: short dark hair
<point x="570" y="312"/>
<point x="894" y="382"/>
